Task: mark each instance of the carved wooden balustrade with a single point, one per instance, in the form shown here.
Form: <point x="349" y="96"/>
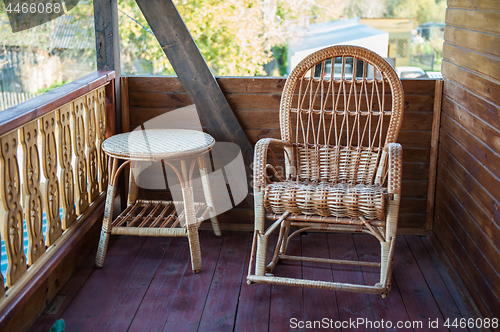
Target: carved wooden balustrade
<point x="52" y="171"/>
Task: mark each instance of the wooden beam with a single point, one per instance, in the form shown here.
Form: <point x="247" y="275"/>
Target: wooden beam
<point x="195" y="76"/>
<point x="436" y="122"/>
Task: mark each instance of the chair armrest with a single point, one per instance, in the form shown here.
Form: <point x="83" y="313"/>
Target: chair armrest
<point x="395" y="167"/>
<point x="260" y="159"/>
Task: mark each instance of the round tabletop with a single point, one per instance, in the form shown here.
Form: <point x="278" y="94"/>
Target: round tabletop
<point x="158" y="144"/>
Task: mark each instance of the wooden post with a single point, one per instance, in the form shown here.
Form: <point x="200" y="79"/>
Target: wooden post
<point x="107" y="38"/>
<point x="436" y="122"/>
<point x="195" y="76"/>
<point x="125" y="123"/>
<point x="108" y="45"/>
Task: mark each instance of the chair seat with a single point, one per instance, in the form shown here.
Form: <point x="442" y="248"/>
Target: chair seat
<point x="340" y="200"/>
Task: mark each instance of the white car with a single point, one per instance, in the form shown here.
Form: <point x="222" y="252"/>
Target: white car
<point x="410" y="72"/>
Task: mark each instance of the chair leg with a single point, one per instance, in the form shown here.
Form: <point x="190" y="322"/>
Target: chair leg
<point x="281" y="245"/>
<point x="387" y="247"/>
<point x="260" y="248"/>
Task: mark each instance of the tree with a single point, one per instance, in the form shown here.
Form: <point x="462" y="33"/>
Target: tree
<point x="365" y="8"/>
<point x="422" y="10"/>
<point x="234" y="36"/>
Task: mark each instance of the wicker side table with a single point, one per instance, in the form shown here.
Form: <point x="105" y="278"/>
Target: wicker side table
<point x="159" y="218"/>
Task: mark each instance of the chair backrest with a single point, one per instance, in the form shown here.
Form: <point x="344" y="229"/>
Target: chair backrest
<point x="339" y="107"/>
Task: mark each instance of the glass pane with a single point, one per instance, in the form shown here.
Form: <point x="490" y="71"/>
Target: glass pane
<point x="140" y="52"/>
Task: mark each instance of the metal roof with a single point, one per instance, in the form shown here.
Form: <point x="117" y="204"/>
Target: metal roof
<point x="332" y="33"/>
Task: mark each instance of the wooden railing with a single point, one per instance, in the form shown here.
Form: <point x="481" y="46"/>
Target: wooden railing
<point x="52" y="170"/>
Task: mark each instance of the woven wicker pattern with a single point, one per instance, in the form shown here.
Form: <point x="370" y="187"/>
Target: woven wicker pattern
<point x="336" y="164"/>
<point x="340" y="115"/>
<point x="157" y="144"/>
<point x="153" y="217"/>
<point x="340" y="124"/>
<point x="341" y="200"/>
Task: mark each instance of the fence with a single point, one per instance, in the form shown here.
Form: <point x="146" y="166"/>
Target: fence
<point x="11" y="99"/>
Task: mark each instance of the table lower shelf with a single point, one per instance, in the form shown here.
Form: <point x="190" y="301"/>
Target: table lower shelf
<point x="157" y="218"/>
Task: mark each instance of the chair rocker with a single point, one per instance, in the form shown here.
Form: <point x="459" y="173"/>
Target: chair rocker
<point x="340" y="115"/>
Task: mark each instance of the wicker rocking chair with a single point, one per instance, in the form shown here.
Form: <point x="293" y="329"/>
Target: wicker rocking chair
<point x="340" y="115"/>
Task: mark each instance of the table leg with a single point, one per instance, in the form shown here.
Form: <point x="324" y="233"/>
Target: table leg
<point x="108" y="212"/>
<point x="189" y="214"/>
<point x="133" y="189"/>
<point x="208" y="193"/>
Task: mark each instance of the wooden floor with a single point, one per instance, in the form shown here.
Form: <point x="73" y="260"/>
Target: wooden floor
<point x="146" y="284"/>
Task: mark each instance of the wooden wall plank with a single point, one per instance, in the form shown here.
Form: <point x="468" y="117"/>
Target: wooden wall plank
<point x="436" y="122"/>
<point x="262" y="118"/>
<point x="249" y="85"/>
<point x="488" y="181"/>
<point x="466" y="203"/>
<point x="484" y="199"/>
<point x="458" y="260"/>
<point x="417" y="139"/>
<point x="474" y="20"/>
<point x="465" y="231"/>
<point x="485" y="65"/>
<point x="451" y="279"/>
<point x="479" y="85"/>
<point x="489" y="159"/>
<point x="476" y="4"/>
<point x="452" y="205"/>
<point x="481" y="130"/>
<point x="158" y="99"/>
<point x="268" y="118"/>
<point x="469" y="264"/>
<point x="125" y="105"/>
<point x="483" y="109"/>
<point x="473" y="40"/>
